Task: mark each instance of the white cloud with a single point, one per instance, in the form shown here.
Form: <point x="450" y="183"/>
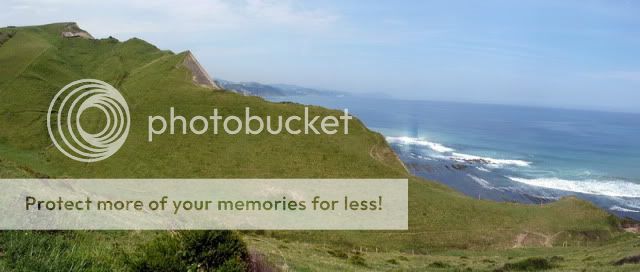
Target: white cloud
<point x="283" y="12"/>
<point x="138" y="16"/>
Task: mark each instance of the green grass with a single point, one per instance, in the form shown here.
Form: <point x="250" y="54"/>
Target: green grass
<point x="119" y="250"/>
<point x="304" y="256"/>
<point x="40" y="62"/>
<point x="67" y="250"/>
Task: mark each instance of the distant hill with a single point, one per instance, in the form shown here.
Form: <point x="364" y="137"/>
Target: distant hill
<point x="265" y="90"/>
<point x="250" y="88"/>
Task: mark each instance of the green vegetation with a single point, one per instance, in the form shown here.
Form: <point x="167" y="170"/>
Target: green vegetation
<point x="307" y="256"/>
<point x="191" y="251"/>
<point x="122" y="251"/>
<point x="443" y="224"/>
<point x="528" y="264"/>
<point x="6" y="35"/>
<point x="635" y="259"/>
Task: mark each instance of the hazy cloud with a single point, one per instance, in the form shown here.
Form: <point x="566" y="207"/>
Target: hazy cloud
<point x="138" y="16"/>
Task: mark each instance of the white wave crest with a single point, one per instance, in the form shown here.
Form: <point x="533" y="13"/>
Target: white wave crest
<point x="482" y="182"/>
<point x="421" y="142"/>
<point x="488" y="161"/>
<point x="615" y="188"/>
<point x="621" y="209"/>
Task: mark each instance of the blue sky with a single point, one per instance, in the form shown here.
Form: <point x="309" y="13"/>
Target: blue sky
<point x="575" y="54"/>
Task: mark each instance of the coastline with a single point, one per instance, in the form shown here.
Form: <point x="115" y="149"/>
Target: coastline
<point x="499" y="169"/>
<point x="473" y="178"/>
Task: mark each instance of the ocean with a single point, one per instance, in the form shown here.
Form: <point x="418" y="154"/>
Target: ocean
<point x="509" y="153"/>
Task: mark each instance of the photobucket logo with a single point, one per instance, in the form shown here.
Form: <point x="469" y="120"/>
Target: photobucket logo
<point x="66" y="109"/>
<point x="249" y="124"/>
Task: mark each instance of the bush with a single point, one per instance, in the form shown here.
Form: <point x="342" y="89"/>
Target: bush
<point x="338" y="254"/>
<point x="529" y="264"/>
<point x="357" y="260"/>
<point x="438" y="264"/>
<point x="211" y="249"/>
<point x="233" y="265"/>
<point x="193" y="251"/>
<point x="628" y="260"/>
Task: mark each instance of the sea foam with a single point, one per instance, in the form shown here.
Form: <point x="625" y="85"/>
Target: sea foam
<point x="421" y="142"/>
<point x="621" y="209"/>
<point x="488" y="160"/>
<point x="615" y="188"/>
<point x="450" y="154"/>
<point x="482" y="182"/>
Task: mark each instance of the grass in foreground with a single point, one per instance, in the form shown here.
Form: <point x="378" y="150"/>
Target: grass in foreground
<point x="122" y="251"/>
<point x="295" y="255"/>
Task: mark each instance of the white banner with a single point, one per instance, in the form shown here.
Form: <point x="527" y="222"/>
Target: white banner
<point x="277" y="204"/>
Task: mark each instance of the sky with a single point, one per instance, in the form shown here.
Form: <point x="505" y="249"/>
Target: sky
<point x="571" y="54"/>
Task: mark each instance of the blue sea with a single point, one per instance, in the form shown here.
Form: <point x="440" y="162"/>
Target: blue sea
<point x="509" y="153"/>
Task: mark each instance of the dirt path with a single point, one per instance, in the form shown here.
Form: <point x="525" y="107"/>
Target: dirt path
<point x="520" y="239"/>
<point x="547" y="239"/>
<point x="259" y="263"/>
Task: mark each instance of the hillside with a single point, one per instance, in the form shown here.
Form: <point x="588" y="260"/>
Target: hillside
<point x="37" y="61"/>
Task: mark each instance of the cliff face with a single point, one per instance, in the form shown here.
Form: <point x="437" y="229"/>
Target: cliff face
<point x="200" y="75"/>
<point x="72" y="30"/>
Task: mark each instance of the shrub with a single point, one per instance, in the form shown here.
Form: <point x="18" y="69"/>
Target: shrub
<point x="554" y="259"/>
<point x="529" y="264"/>
<point x="357" y="259"/>
<point x="338" y="254"/>
<point x="211" y="249"/>
<point x="233" y="265"/>
<point x="628" y="260"/>
<point x="438" y="264"/>
<point x="192" y="251"/>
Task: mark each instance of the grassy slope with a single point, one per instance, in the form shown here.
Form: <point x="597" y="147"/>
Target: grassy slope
<point x="303" y="256"/>
<point x="151" y="80"/>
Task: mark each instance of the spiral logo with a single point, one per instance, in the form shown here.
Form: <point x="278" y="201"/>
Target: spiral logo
<point x="63" y="120"/>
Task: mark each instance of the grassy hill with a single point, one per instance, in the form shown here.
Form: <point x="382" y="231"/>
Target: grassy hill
<point x="37" y="61"/>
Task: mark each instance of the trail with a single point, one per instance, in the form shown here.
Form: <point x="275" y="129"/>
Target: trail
<point x="548" y="239"/>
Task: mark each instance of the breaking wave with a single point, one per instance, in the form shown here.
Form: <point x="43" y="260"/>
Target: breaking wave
<point x="482" y="182"/>
<point x="615" y="188"/>
<point x="487" y="160"/>
<point x="448" y="153"/>
<point x="621" y="209"/>
<point x="421" y="142"/>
